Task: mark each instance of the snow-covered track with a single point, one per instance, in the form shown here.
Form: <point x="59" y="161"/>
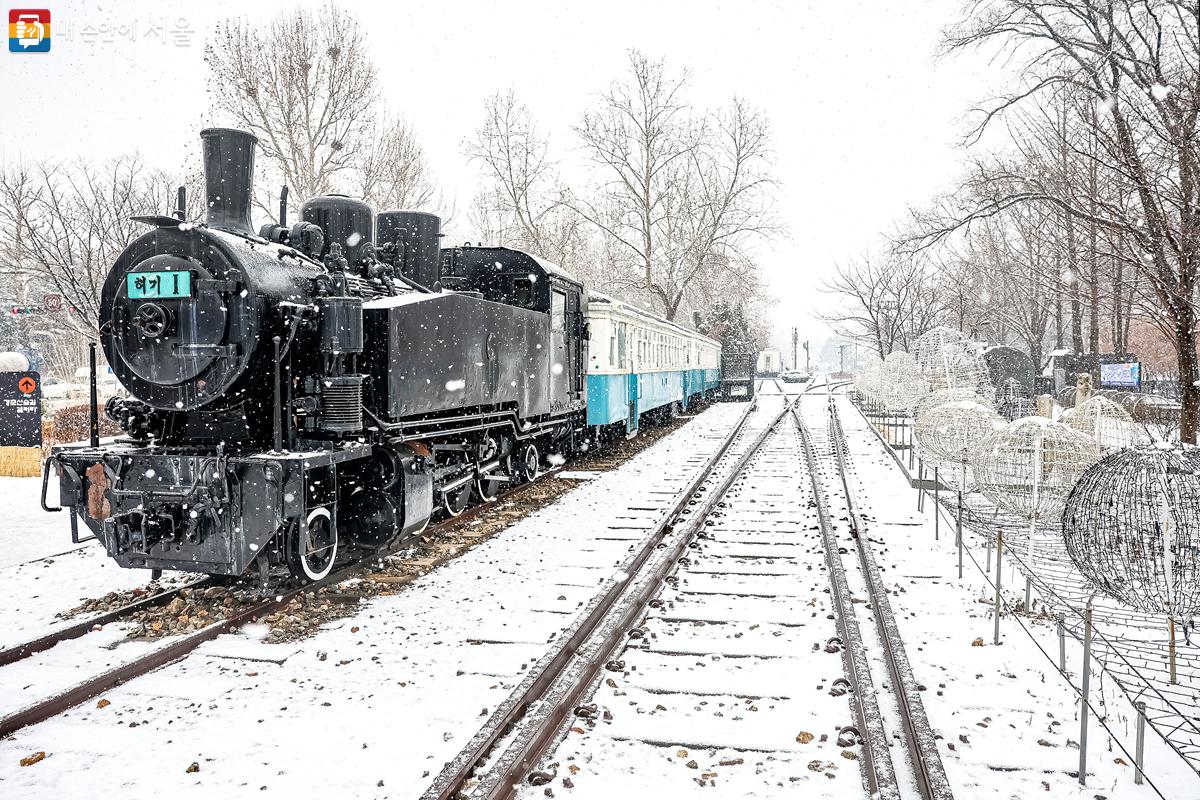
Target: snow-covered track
<point x="928" y="770"/>
<point x="526" y="740"/>
<point x="879" y="773"/>
<point x="18" y="652"/>
<point x="175" y="649"/>
<point x="609" y="616"/>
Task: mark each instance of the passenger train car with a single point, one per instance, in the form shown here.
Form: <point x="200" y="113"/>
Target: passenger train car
<point x="643" y="364"/>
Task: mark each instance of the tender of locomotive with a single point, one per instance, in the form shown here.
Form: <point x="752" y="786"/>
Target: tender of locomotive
<point x="314" y="387"/>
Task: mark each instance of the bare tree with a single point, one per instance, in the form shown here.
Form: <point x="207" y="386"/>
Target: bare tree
<point x="65" y="223"/>
<point x="524" y="203"/>
<point x="1137" y="65"/>
<point x="393" y="173"/>
<point x="306" y="87"/>
<point x="885" y="302"/>
<point x="684" y="196"/>
<point x="1016" y="258"/>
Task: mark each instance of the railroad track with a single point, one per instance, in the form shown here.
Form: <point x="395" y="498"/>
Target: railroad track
<point x="177" y="648"/>
<point x="512" y="753"/>
<point x="566" y="672"/>
<point x="881" y="775"/>
<point x="522" y="736"/>
<point x="15" y="653"/>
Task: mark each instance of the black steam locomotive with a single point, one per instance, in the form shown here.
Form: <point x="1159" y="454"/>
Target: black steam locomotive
<point x="323" y="385"/>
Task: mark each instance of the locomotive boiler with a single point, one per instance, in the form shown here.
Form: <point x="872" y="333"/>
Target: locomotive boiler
<point x="311" y="388"/>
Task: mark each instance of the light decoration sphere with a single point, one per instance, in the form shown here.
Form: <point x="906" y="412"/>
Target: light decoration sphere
<point x="950" y="360"/>
<point x="868" y="380"/>
<point x="1132" y="527"/>
<point x="1029" y="466"/>
<point x="901" y="383"/>
<point x="1012" y="401"/>
<point x="942" y="396"/>
<point x="1108" y="423"/>
<point x="952" y="431"/>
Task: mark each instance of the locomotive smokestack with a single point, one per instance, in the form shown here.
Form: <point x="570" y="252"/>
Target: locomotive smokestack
<point x="228" y="173"/>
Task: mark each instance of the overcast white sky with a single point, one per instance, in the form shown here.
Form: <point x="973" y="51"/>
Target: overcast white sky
<point x="865" y="121"/>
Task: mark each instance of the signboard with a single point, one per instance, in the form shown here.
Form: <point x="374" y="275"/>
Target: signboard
<point x="52" y="302"/>
<point x="20" y="409"/>
<point x="158" y="285"/>
<point x="1121" y="376"/>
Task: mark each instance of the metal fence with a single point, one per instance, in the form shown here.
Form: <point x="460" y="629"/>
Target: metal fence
<point x="1128" y="646"/>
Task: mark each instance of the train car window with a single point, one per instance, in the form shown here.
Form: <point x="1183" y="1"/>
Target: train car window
<point x="622" y="338"/>
<point x="612" y="350"/>
<point x="522" y="292"/>
<point x="558" y="310"/>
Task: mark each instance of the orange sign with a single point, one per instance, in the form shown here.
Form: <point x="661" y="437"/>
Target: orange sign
<point x="27" y="385"/>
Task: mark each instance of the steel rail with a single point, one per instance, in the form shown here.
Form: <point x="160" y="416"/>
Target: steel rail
<point x="922" y="743"/>
<point x="879" y="772"/>
<point x="520" y="706"/>
<point x="545" y="729"/>
<point x="15" y="653"/>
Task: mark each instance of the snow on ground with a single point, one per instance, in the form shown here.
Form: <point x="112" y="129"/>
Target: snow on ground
<point x="42" y="573"/>
<point x="1011" y="718"/>
<point x="376" y="703"/>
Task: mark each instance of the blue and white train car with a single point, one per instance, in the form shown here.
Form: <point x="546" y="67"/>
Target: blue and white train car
<point x="640" y="363"/>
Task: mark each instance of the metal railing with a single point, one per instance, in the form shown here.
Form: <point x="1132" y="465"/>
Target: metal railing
<point x="1038" y="554"/>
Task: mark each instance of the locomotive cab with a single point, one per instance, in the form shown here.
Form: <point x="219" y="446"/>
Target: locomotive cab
<point x="519" y="279"/>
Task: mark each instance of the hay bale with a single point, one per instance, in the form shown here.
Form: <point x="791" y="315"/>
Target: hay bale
<point x="20" y="462"/>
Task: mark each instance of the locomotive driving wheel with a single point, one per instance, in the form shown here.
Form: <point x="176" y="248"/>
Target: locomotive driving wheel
<point x="489" y="479"/>
<point x="488" y="486"/>
<point x="312" y="548"/>
<point x="528" y="462"/>
<point x="456" y="501"/>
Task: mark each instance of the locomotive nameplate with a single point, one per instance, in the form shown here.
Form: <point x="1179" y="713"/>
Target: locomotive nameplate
<point x="158" y="285"/>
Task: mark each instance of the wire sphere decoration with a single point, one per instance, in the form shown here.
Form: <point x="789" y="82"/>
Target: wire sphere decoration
<point x="1012" y="401"/>
<point x="1029" y="466"/>
<point x="901" y="383"/>
<point x="867" y="382"/>
<point x="1132" y="527"/>
<point x="1110" y="425"/>
<point x="952" y="431"/>
<point x="942" y="396"/>
<point x="950" y="360"/>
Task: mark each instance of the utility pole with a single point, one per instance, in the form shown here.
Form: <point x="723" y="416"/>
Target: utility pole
<point x="795" y="341"/>
<point x="807" y="368"/>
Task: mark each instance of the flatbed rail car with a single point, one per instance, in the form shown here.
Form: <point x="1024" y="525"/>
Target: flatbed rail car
<point x="737" y="376"/>
<point x="641" y="364"/>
